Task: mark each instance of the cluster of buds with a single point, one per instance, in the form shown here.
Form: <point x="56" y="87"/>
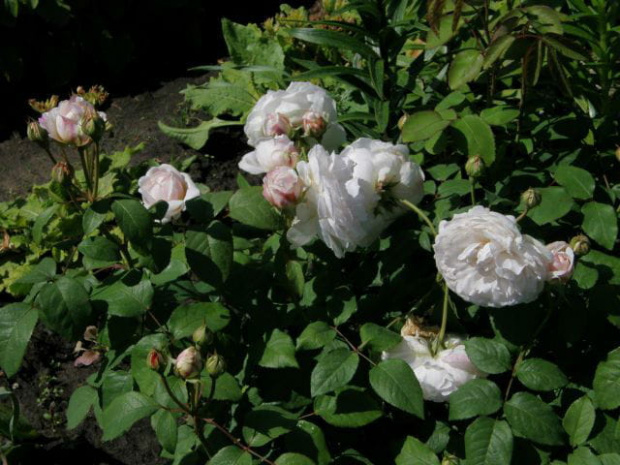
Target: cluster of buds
<point x="44" y="105"/>
<point x="96" y="95"/>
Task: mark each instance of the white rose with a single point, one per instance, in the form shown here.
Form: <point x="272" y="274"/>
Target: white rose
<point x="484" y="258"/>
<point x="269" y="154"/>
<point x="282" y="187"/>
<point x="277" y="110"/>
<point x="441" y="375"/>
<point x="327" y="210"/>
<point x="64" y="123"/>
<point x="562" y="265"/>
<point x="166" y="183"/>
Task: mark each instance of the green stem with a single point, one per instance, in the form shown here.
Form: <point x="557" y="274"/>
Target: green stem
<point x="472" y="183"/>
<point x="444" y="314"/>
<point x="172" y="396"/>
<point x="95" y="171"/>
<point x="421" y="214"/>
<point x="522" y="215"/>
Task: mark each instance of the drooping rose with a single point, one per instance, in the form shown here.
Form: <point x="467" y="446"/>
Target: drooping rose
<point x="484" y="258"/>
<point x="276" y="107"/>
<point x="439" y="375"/>
<point x="282" y="187"/>
<point x="561" y="268"/>
<point x="66" y="122"/>
<point x="166" y="183"/>
<point x="269" y="154"/>
<point x="189" y="363"/>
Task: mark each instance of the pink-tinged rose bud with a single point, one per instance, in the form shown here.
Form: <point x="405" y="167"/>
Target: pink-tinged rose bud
<point x="561" y="268"/>
<point x="314" y="125"/>
<point x="166" y="183"/>
<point x="282" y="187"/>
<point x="188" y="363"/>
<point x="62" y="173"/>
<point x="277" y="124"/>
<point x="155" y="360"/>
<point x="64" y="123"/>
<point x="37" y="134"/>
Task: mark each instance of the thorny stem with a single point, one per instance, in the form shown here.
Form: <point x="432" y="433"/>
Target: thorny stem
<point x="236" y="441"/>
<point x="352" y="346"/>
<point x="421" y="214"/>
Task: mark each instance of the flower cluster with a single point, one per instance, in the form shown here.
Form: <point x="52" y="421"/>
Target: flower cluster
<point x="346" y="200"/>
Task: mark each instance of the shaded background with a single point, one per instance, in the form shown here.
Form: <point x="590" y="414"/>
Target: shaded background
<point x="128" y="46"/>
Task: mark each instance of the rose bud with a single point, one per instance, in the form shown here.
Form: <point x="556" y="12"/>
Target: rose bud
<point x="402" y="120"/>
<point x="94" y="124"/>
<point x="276" y="124"/>
<point x="474" y="167"/>
<point x="62" y="173"/>
<point x="282" y="187"/>
<point x="189" y="363"/>
<point x="64" y="123"/>
<point x="314" y="125"/>
<point x="216" y="365"/>
<point x="531" y="198"/>
<point x="563" y="263"/>
<point x="38" y="134"/>
<point x="580" y="245"/>
<point x="202" y="336"/>
<point x="155" y="360"/>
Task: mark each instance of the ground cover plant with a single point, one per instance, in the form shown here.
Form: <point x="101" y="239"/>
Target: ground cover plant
<point x="426" y="274"/>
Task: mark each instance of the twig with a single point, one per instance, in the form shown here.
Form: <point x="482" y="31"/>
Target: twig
<point x="352" y="346"/>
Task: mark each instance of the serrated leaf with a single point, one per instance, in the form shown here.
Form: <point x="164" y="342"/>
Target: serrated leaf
<point x="266" y="423"/>
<point x="465" y="67"/>
<point x="378" y="337"/>
<point x="248" y="206"/>
<point x="128" y="297"/>
<point x="415" y="452"/>
<point x="555" y="203"/>
<point x="80" y="403"/>
<point x="315" y="336"/>
<point x="395" y="382"/>
<point x="478" y="137"/>
<point x="349" y="408"/>
<point x="579" y="421"/>
<point x="497" y="49"/>
<point x="488" y="442"/>
<point x="187" y="318"/>
<point x="533" y="419"/>
<point x="600" y="223"/>
<point x="195" y="137"/>
<point x="64" y="307"/>
<point x="231" y="455"/>
<point x="17" y="321"/>
<point x="279" y="351"/>
<point x="165" y="426"/>
<point x="578" y="182"/>
<point x="124" y="411"/>
<point x="499" y="116"/>
<point x="210" y="253"/>
<point x="607" y="382"/>
<point x="540" y="375"/>
<point x="423" y="125"/>
<point x="134" y="220"/>
<point x="333" y="370"/>
<point x="476" y="397"/>
<point x="489" y="356"/>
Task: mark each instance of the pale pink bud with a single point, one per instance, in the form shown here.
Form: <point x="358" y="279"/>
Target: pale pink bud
<point x="277" y="124"/>
<point x="561" y="268"/>
<point x="282" y="187"/>
<point x="269" y="154"/>
<point x="189" y="363"/>
<point x="64" y="122"/>
<point x="314" y="124"/>
<point x="155" y="360"/>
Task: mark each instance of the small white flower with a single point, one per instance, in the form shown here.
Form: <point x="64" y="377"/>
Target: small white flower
<point x="327" y="209"/>
<point x="441" y="375"/>
<point x="166" y="183"/>
<point x="562" y="266"/>
<point x="484" y="258"/>
<point x="277" y="112"/>
<point x="269" y="154"/>
<point x="282" y="187"/>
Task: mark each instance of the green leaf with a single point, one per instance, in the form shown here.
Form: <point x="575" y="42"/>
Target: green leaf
<point x="187" y="318"/>
<point x="100" y="249"/>
<point x="378" y="337"/>
<point x="134" y="220"/>
<point x="607" y="382"/>
<point x="249" y="207"/>
<point x="600" y="223"/>
<point x="423" y="125"/>
<point x="478" y="137"/>
<point x="333" y="370"/>
<point x="198" y="136"/>
<point x="499" y="116"/>
<point x="315" y="336"/>
<point x="41" y="222"/>
<point x="82" y="400"/>
<point x="308" y="438"/>
<point x="44" y="271"/>
<point x="231" y="455"/>
<point x="474" y="398"/>
<point x="165" y="426"/>
<point x="497" y="49"/>
<point x="565" y="46"/>
<point x="226" y="387"/>
<point x="555" y="203"/>
<point x="65" y="307"/>
<point x="94" y="216"/>
<point x="578" y="182"/>
<point x="145" y="377"/>
<point x="531" y="418"/>
<point x="248" y="45"/>
<point x="579" y="420"/>
<point x="17" y="321"/>
<point x="123" y="412"/>
<point x="458" y="187"/>
<point x="291" y="458"/>
<point x="465" y="67"/>
<point x="415" y="452"/>
<point x="488" y="442"/>
<point x="128" y="297"/>
<point x="583" y="456"/>
<point x="279" y="351"/>
<point x="266" y="423"/>
<point x="349" y="408"/>
<point x="219" y="97"/>
<point x="540" y="375"/>
<point x="210" y="253"/>
<point x="394" y="381"/>
<point x="332" y="39"/>
<point x="488" y="355"/>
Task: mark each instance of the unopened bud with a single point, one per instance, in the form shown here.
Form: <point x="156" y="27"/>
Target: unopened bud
<point x="94" y="126"/>
<point x="155" y="360"/>
<point x="580" y="245"/>
<point x="450" y="459"/>
<point x="531" y="198"/>
<point x="37" y="134"/>
<point x="474" y="167"/>
<point x="62" y="173"/>
<point x="189" y="363"/>
<point x="401" y="122"/>
<point x="203" y="336"/>
<point x="216" y="365"/>
<point x="314" y="125"/>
